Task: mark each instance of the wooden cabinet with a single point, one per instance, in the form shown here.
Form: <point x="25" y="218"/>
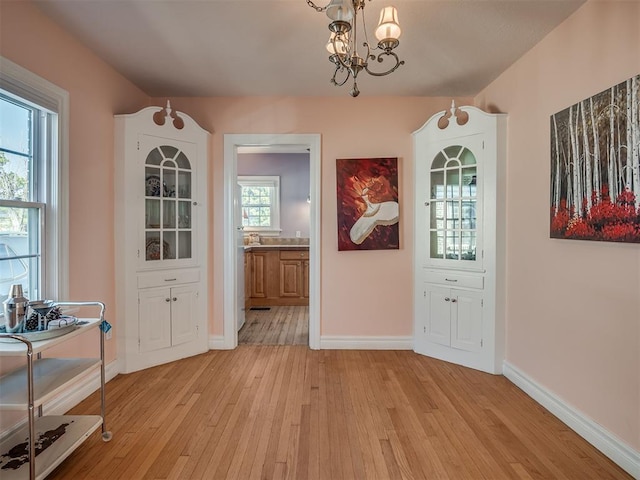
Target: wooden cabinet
<point x="280" y="277"/>
<point x="161" y="237"/>
<point x="459" y="162"/>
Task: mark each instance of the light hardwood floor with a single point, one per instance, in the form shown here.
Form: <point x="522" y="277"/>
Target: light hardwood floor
<point x="289" y="412"/>
<point x="276" y="326"/>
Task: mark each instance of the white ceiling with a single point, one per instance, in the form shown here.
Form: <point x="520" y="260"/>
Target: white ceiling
<point x="277" y="47"/>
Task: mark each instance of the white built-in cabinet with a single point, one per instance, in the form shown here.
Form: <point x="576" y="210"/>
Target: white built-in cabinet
<point x="161" y="237"/>
<point x="459" y="238"/>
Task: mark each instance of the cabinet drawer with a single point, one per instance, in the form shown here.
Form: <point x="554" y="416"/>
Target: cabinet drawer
<point x="294" y="254"/>
<point x="454" y="279"/>
<point x="168" y="278"/>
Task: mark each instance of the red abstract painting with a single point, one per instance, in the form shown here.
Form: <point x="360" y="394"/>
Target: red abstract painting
<point x="368" y="210"/>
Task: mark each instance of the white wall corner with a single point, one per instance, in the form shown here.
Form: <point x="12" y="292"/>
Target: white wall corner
<point x="619" y="452"/>
<point x="338" y="342"/>
<point x="217" y="342"/>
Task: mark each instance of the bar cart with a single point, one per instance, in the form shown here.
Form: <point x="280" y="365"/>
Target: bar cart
<point x="37" y="449"/>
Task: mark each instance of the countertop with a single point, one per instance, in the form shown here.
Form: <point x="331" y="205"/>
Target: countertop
<point x="275" y="247"/>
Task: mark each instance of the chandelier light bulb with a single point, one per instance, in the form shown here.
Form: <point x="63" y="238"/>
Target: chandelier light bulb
<point x="388" y="27"/>
<point x="341" y="11"/>
<point x="337" y="45"/>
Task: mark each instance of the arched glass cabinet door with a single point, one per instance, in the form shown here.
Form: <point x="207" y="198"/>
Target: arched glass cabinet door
<point x="168" y="199"/>
<point x="453" y="200"/>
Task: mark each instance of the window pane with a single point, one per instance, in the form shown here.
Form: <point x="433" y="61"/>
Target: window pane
<point x="154" y="157"/>
<point x="467" y="158"/>
<point x="169" y="151"/>
<point x="259" y="202"/>
<point x="20" y="251"/>
<point x="15" y="127"/>
<point x="16" y="149"/>
<point x="183" y="161"/>
<point x="184" y="239"/>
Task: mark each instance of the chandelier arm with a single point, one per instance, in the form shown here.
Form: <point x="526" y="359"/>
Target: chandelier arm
<point x="315" y="7"/>
<point x="380" y="60"/>
<point x="339" y="68"/>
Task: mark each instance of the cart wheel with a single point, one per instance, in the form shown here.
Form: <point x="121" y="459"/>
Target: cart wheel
<point x="106" y="436"/>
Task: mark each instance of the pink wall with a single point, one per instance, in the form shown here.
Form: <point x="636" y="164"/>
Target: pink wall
<point x="362" y="293"/>
<point x="573" y="307"/>
<point x="96" y="93"/>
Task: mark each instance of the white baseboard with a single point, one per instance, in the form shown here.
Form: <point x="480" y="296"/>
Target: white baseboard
<point x="216" y="342"/>
<point x="622" y="454"/>
<point x="339" y="342"/>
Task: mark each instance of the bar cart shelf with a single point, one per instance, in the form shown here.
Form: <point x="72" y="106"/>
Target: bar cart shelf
<point x="51" y="438"/>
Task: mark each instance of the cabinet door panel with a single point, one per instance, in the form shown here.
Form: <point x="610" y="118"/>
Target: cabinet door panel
<point x="258" y="284"/>
<point x="154" y="319"/>
<point x="438" y="315"/>
<point x="290" y="278"/>
<point x="184" y="315"/>
<point x="466" y="320"/>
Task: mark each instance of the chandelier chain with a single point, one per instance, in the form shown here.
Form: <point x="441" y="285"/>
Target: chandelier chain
<point x="315" y="7"/>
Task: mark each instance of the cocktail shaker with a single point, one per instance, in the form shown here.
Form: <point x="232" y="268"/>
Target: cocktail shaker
<point x="15" y="309"/>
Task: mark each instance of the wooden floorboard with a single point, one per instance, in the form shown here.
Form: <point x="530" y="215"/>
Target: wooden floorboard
<point x="277" y="325"/>
<point x="287" y="412"/>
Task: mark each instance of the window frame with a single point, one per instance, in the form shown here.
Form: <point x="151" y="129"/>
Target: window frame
<point x="32" y="89"/>
<point x="273" y="182"/>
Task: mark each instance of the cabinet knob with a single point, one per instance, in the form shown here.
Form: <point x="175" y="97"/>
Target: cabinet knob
<point x="446" y="299"/>
<point x="426" y="204"/>
<point x="175" y="299"/>
<point x="167" y="299"/>
<point x="453" y="300"/>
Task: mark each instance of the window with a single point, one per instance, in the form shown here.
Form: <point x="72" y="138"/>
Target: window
<point x="32" y="181"/>
<point x="260" y="204"/>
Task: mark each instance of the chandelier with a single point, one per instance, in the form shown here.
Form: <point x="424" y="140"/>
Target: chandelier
<point x="345" y="16"/>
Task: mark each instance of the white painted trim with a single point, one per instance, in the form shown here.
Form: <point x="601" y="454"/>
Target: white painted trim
<point x="339" y="342"/>
<point x="231" y="144"/>
<point x="75" y="393"/>
<point x="614" y="448"/>
<point x="216" y="342"/>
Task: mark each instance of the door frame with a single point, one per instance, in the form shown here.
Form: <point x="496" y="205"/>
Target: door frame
<point x="231" y="144"/>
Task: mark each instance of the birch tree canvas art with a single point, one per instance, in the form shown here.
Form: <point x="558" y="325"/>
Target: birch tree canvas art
<point x="595" y="167"/>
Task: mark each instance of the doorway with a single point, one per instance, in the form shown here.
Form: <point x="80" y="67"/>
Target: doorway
<point x="233" y="237"/>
